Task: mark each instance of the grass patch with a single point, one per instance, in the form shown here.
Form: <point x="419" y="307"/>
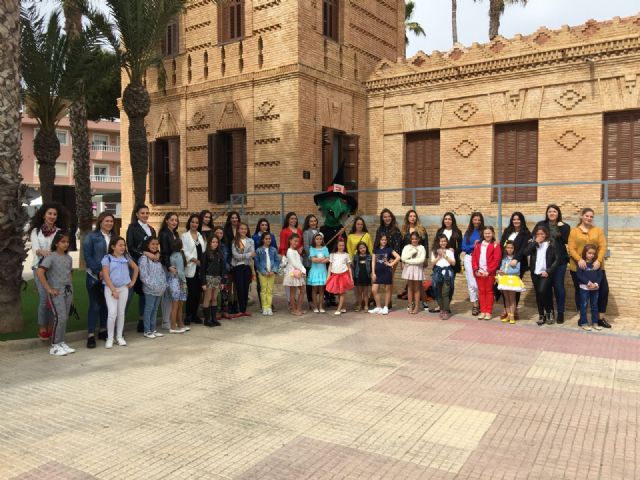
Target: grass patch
<point x="80" y="300"/>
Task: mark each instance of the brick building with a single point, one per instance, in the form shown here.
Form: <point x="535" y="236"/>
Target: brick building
<point x="270" y="95"/>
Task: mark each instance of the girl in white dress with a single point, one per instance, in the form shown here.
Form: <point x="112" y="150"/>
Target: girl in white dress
<point x="294" y="276"/>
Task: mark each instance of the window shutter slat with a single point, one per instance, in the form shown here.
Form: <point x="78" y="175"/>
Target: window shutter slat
<point x="422" y="167"/>
<point x="622" y="153"/>
<point x="152" y="171"/>
<point x="174" y="171"/>
<point x="220" y="173"/>
<point x="515" y="160"/>
<point x="211" y="166"/>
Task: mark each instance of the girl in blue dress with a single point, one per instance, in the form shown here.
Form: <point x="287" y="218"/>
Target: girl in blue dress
<point x="317" y="278"/>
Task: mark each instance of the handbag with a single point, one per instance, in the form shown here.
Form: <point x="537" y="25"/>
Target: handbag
<point x="283" y="266"/>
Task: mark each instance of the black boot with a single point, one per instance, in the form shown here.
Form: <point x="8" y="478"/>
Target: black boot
<point x="213" y="311"/>
<point x="541" y="320"/>
<point x="560" y="318"/>
<point x="207" y="317"/>
<point x="551" y="317"/>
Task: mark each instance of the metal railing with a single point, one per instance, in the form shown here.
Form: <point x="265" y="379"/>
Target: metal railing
<point x="106" y="148"/>
<point x="105" y="178"/>
<point x="239" y="201"/>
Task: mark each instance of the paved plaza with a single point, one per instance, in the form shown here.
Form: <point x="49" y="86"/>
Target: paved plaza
<point x="323" y="397"/>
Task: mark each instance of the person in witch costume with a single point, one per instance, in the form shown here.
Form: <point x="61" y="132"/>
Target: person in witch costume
<point x="335" y="206"/>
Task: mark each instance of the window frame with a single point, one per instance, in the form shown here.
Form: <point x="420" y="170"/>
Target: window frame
<point x="226" y="13"/>
<point x="423" y="197"/>
<point x="331" y="26"/>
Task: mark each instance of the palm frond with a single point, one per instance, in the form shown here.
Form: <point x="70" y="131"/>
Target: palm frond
<point x="43" y="56"/>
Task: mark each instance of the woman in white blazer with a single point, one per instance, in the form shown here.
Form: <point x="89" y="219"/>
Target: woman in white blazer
<point x="193" y="246"/>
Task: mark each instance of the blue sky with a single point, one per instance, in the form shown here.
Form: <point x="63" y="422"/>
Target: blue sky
<point x="473" y="20"/>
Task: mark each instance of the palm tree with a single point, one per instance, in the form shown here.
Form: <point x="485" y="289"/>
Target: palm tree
<point x="43" y="55"/>
<point x="78" y="121"/>
<point x="496" y="9"/>
<point x="410" y="26"/>
<point x="12" y="215"/>
<point x="454" y="20"/>
<point x="134" y="30"/>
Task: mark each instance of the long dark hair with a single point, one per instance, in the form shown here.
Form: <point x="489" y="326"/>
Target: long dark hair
<point x="62" y="222"/>
<point x="307" y="221"/>
<point x="557" y="209"/>
<point x="165" y="226"/>
<point x="436" y="243"/>
<point x="213" y="252"/>
<point x="364" y="225"/>
<point x="201" y="216"/>
<point x="358" y="249"/>
<point x="471" y="228"/>
<point x="228" y="228"/>
<point x="261" y="221"/>
<point x="191" y="217"/>
<point x="56" y="239"/>
<point x="393" y="226"/>
<point x="176" y="246"/>
<point x="523" y="225"/>
<point x="376" y="245"/>
<point x="286" y="220"/>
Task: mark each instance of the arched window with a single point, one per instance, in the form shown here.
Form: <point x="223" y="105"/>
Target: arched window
<point x="331" y="19"/>
<point x="171" y="39"/>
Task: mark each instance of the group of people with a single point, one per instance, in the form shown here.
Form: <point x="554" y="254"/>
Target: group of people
<point x="210" y="268"/>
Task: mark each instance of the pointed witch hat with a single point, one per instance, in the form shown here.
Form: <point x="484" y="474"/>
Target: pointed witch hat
<point x="337" y="189"/>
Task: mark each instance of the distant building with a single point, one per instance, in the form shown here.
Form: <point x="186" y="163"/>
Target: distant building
<point x="104" y="144"/>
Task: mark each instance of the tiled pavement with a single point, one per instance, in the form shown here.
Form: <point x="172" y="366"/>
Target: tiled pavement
<point x="324" y="397"/>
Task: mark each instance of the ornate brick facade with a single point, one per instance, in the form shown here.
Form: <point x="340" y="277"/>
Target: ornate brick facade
<point x="284" y="82"/>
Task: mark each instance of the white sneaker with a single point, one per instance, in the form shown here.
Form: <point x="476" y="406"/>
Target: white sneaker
<point x="57" y="350"/>
<point x="108" y="343"/>
<point x="270" y="312"/>
<point x="385" y="310"/>
<point x="149" y="335"/>
<point x="67" y="348"/>
<point x="121" y="341"/>
<point x="265" y="312"/>
<point x="186" y="329"/>
<point x="337" y="312"/>
<point x="177" y="330"/>
<point x="375" y="310"/>
<point x="158" y="334"/>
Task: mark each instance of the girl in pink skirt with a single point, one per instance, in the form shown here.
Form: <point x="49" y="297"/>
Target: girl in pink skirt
<point x="413" y="257"/>
<point x="340" y="277"/>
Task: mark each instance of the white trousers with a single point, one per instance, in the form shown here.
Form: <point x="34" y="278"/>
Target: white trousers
<point x="116" y="310"/>
<point x="471" y="279"/>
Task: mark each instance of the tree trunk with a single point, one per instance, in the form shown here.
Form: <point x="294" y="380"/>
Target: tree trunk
<point x="136" y="104"/>
<point x="496" y="8"/>
<point x="79" y="137"/>
<point x="81" y="169"/>
<point x="46" y="148"/>
<point x="454" y="20"/>
<point x="12" y="215"/>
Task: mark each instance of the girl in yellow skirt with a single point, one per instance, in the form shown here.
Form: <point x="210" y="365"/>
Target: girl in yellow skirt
<point x="510" y="282"/>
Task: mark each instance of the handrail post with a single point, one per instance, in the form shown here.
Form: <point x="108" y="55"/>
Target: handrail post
<point x="413" y="198"/>
<point x="499" y="232"/>
<point x="605" y="194"/>
<point x="281" y="210"/>
<point x="243" y="200"/>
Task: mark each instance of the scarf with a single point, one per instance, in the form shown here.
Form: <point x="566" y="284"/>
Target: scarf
<point x="48" y="231"/>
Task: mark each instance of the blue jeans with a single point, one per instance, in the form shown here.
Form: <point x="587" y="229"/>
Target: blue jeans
<point x="588" y="298"/>
<point x="97" y="305"/>
<point x="45" y="315"/>
<point x="559" y="293"/>
<point x="151" y="305"/>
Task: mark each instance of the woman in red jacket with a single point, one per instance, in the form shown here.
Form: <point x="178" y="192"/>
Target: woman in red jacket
<point x="486" y="261"/>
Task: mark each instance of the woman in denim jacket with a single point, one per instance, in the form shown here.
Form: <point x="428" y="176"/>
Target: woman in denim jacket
<point x="94" y="248"/>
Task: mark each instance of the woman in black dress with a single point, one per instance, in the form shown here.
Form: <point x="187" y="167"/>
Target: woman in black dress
<point x="518" y="232"/>
<point x="389" y="227"/>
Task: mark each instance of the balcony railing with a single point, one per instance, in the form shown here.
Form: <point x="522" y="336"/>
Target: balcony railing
<point x="106" y="178"/>
<point x="106" y="148"/>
